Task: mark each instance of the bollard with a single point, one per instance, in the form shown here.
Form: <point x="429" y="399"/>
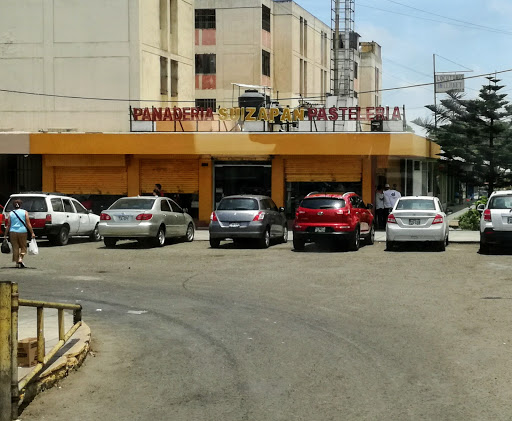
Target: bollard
<point x="5" y="351"/>
<point x="15" y="392"/>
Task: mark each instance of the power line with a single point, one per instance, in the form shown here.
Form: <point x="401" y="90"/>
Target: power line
<point x="446" y="17"/>
<point x="408" y="68"/>
<point x="435" y="20"/>
<point x="457" y="64"/>
<point x="433" y="83"/>
<point x="12" y="91"/>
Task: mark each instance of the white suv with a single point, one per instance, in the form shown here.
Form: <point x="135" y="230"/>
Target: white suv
<point x="56" y="216"/>
<point x="496" y="221"/>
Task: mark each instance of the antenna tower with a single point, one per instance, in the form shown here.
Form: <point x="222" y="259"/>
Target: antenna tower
<point x="343" y="56"/>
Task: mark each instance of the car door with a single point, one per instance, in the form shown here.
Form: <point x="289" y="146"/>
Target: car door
<point x="180" y="228"/>
<point x="85" y="225"/>
<point x="72" y="218"/>
<point x="276" y="228"/>
<point x="361" y="212"/>
<point x="168" y="218"/>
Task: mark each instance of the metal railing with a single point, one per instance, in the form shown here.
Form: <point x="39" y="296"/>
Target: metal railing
<point x="10" y="388"/>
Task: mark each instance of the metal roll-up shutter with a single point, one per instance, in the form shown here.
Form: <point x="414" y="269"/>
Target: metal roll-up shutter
<point x="175" y="175"/>
<point x="91" y="180"/>
<point x="314" y="169"/>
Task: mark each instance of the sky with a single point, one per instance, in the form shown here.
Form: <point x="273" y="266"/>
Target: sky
<point x="463" y="34"/>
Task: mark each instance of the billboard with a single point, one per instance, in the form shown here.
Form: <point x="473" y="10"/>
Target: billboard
<point x="449" y="82"/>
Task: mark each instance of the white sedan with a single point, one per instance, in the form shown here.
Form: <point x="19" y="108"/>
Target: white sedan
<point x="418" y="219"/>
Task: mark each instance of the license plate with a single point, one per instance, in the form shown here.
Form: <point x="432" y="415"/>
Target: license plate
<point x="320" y="229"/>
<point x="510" y="219"/>
<point x="233" y="225"/>
<point x="123" y="217"/>
<point x="414" y="221"/>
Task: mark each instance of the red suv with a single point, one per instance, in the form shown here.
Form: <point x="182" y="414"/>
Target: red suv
<point x="343" y="216"/>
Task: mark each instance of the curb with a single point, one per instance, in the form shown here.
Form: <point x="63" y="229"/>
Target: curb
<point x="60" y="367"/>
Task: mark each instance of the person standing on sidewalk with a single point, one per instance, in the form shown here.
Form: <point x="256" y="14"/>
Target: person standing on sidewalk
<point x="17" y="226"/>
<point x="391" y="196"/>
<point x="379" y="207"/>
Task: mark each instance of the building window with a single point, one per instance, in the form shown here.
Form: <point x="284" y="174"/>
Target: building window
<point x="355" y="70"/>
<point x="301" y="76"/>
<point x="301" y="39"/>
<point x="265" y="63"/>
<point x="305" y="38"/>
<point x="205" y="18"/>
<point x="163" y="76"/>
<point x="265" y="18"/>
<point x="206" y="64"/>
<point x="174" y="78"/>
<point x="206" y="103"/>
<point x="305" y="78"/>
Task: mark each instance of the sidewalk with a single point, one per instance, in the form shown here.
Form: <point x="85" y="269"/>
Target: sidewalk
<point x="68" y="358"/>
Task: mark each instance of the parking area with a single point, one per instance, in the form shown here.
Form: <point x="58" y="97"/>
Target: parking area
<point x="258" y="334"/>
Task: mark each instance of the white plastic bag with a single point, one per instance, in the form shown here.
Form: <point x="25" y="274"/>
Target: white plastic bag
<point x="33" y="249"/>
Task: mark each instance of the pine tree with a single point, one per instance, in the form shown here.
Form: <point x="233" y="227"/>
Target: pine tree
<point x="476" y="132"/>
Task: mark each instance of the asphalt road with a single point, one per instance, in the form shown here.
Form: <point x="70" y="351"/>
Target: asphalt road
<point x="186" y="332"/>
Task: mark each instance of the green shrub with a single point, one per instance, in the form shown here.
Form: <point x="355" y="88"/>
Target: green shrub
<point x="481" y="201"/>
<point x="470" y="220"/>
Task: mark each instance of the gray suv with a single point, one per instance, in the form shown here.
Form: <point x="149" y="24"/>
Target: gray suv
<point x="248" y="217"/>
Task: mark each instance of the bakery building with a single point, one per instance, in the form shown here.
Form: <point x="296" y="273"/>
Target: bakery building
<point x="201" y="167"/>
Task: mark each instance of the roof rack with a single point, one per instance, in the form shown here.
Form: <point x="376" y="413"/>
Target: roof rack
<point x="43" y="192"/>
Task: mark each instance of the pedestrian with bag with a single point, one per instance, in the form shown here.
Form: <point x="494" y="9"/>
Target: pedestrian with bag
<point x="17" y="226"/>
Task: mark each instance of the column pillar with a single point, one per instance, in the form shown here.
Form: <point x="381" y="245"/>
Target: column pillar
<point x="133" y="175"/>
<point x="205" y="190"/>
<point x="278" y="183"/>
<point x="367" y="179"/>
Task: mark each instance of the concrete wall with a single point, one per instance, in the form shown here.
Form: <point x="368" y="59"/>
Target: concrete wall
<point x="65" y="47"/>
<point x="371" y="59"/>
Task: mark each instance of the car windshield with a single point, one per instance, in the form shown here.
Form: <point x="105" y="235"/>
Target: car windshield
<point x="415" y="204"/>
<point x="322" y="203"/>
<point x="133" y="204"/>
<point x="238" y="203"/>
<point x="501" y="202"/>
<point x="30" y="204"/>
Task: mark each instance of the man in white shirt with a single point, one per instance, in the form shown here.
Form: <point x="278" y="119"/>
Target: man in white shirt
<point x="390" y="198"/>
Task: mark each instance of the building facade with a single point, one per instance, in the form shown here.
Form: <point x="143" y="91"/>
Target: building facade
<point x="200" y="168"/>
<point x="275" y="44"/>
<point x="120" y="50"/>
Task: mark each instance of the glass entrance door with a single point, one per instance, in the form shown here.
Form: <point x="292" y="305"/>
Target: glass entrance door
<point x="234" y="177"/>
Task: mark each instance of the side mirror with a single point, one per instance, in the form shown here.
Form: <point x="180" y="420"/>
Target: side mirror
<point x="185" y="210"/>
<point x="281" y="209"/>
<point x="480" y="208"/>
<point x="369" y="206"/>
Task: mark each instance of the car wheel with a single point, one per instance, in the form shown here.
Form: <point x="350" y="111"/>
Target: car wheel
<point x="389" y="245"/>
<point x="298" y="244"/>
<point x="370" y="237"/>
<point x="265" y="240"/>
<point x="62" y="238"/>
<point x="160" y="237"/>
<point x="214" y="243"/>
<point x="442" y="245"/>
<point x="284" y="238"/>
<point x="95" y="234"/>
<point x="484" y="248"/>
<point x="190" y="233"/>
<point x="110" y="242"/>
<point x="355" y="243"/>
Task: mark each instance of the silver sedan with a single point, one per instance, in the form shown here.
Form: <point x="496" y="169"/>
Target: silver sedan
<point x="248" y="217"/>
<point x="417" y="218"/>
<point x="145" y="218"/>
